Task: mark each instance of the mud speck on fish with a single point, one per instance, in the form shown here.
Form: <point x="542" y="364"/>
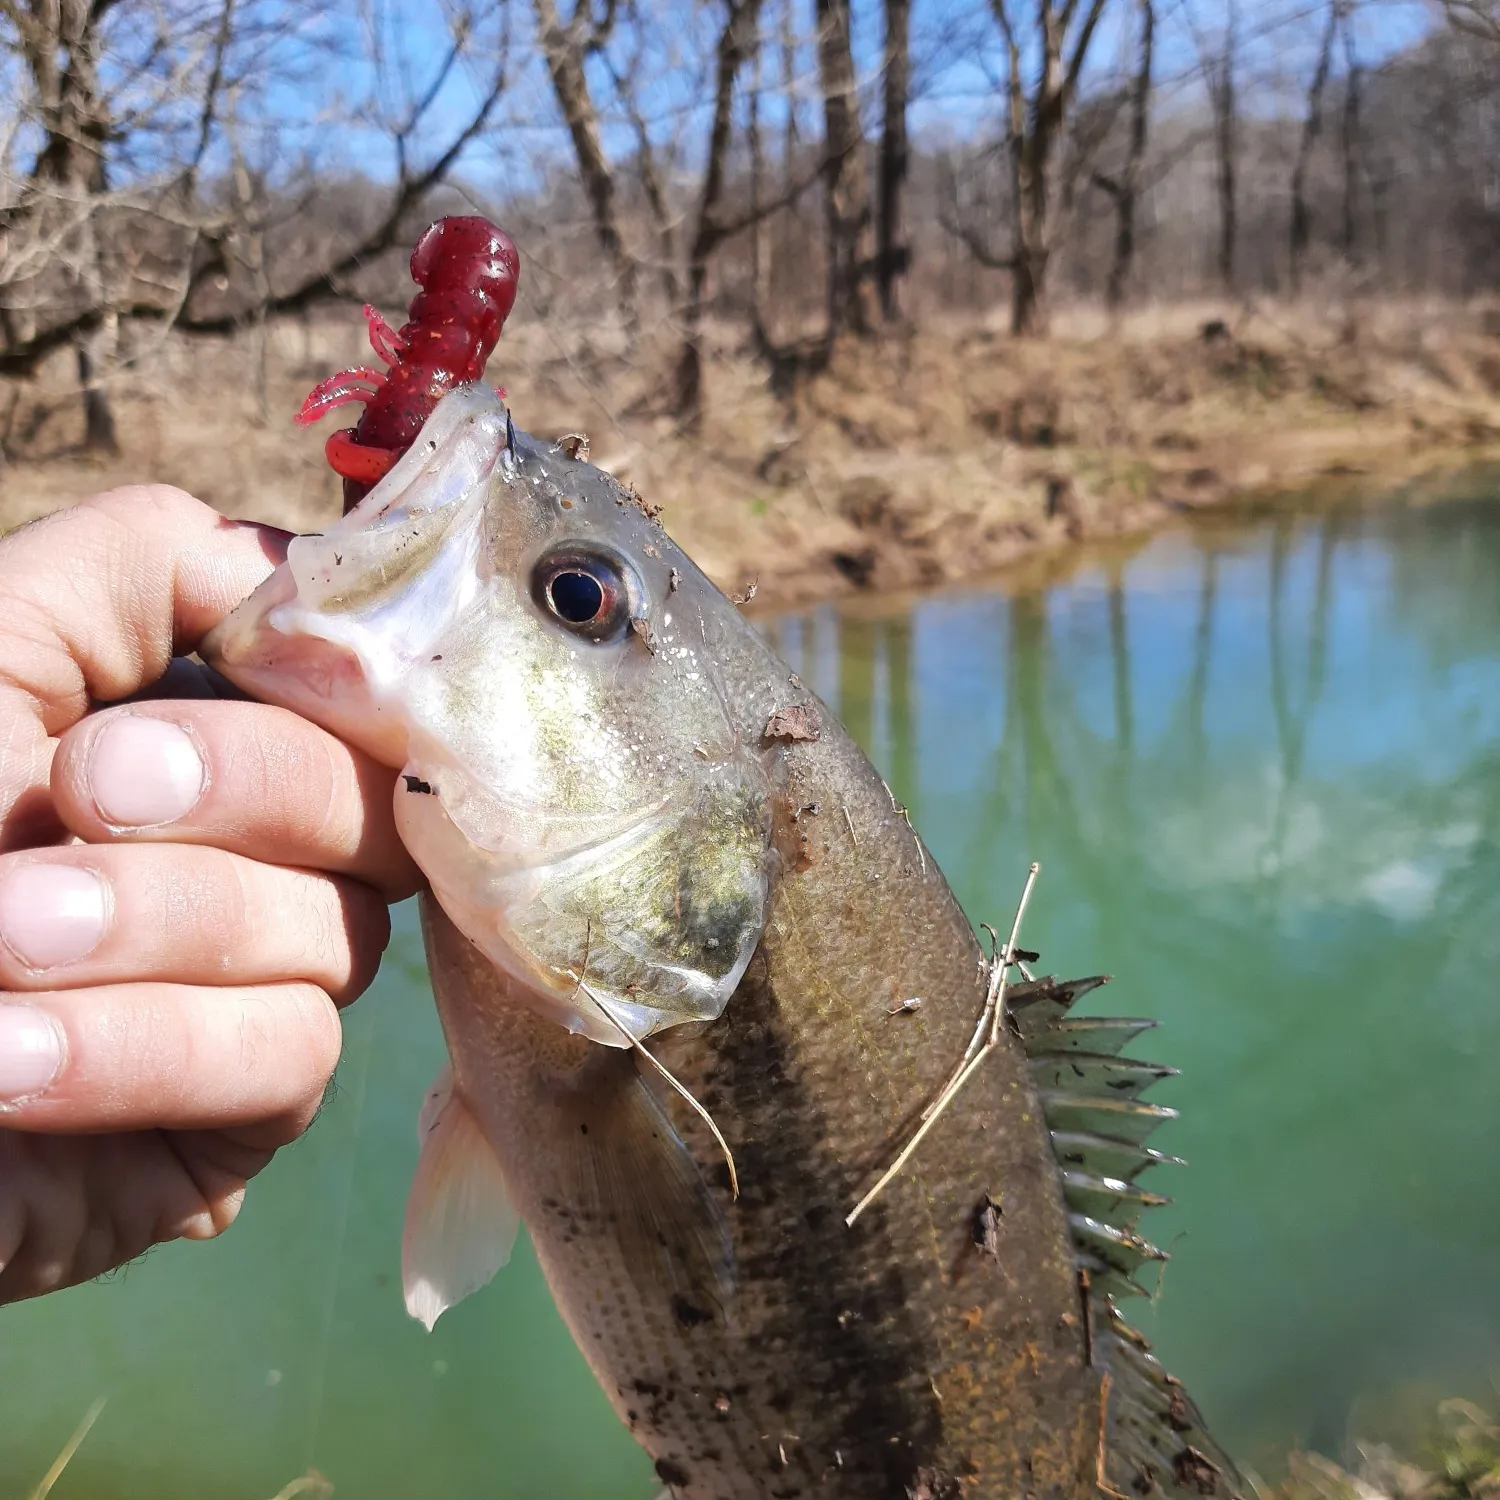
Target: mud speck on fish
<point x="798" y="721"/>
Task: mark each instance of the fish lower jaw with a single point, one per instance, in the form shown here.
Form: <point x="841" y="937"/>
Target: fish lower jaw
<point x="597" y="1014"/>
<point x="589" y="1009"/>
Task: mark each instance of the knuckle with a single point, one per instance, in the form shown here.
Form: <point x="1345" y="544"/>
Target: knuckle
<point x="321" y="1034"/>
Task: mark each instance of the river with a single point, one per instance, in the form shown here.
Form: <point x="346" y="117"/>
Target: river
<point x="1259" y="762"/>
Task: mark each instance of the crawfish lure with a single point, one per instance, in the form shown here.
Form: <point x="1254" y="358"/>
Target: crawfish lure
<point x="468" y="270"/>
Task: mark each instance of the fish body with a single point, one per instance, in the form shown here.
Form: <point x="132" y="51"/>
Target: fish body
<point x="637" y="823"/>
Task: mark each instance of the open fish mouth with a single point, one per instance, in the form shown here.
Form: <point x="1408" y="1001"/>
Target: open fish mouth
<point x="573" y="790"/>
<point x="335" y="629"/>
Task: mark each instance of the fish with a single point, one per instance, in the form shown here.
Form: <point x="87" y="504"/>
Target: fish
<point x="699" y="980"/>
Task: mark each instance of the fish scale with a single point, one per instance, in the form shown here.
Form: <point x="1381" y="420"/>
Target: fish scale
<point x="962" y="1337"/>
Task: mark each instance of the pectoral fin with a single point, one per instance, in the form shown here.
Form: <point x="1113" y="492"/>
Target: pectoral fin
<point x="460" y="1222"/>
<point x="628" y="1175"/>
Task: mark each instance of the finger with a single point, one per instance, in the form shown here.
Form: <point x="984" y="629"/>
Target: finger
<point x="245" y="776"/>
<point x="183" y="914"/>
<point x="94" y="603"/>
<point x="141" y="1056"/>
<point x="75" y="1206"/>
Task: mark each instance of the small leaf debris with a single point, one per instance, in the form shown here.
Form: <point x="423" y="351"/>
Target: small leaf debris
<point x="575" y="445"/>
<point x="986" y="1227"/>
<point x="1196" y="1469"/>
<point x="798" y="721"/>
<point x="646" y="508"/>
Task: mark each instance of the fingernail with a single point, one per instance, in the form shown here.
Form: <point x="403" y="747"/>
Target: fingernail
<point x="51" y="914"/>
<point x="31" y="1052"/>
<point x="144" y="771"/>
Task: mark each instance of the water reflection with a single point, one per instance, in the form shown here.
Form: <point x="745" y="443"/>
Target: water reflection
<point x="1262" y="771"/>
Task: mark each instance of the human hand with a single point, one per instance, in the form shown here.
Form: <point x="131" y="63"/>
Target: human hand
<point x="169" y="986"/>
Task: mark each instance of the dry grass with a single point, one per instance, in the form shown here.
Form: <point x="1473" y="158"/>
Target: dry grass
<point x="1461" y="1461"/>
<point x="913" y="461"/>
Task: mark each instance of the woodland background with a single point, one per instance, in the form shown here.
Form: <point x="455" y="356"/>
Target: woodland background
<point x="755" y="232"/>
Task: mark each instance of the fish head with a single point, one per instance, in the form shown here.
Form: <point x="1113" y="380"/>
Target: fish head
<point x="509" y="629"/>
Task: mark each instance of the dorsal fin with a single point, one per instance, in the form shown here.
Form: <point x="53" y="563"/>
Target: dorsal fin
<point x="1156" y="1445"/>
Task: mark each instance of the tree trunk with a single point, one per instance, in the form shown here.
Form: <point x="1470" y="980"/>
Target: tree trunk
<point x="1220" y="73"/>
<point x="1350" y="142"/>
<point x="565" y="48"/>
<point x="62" y="47"/>
<point x="1129" y="185"/>
<point x="845" y="175"/>
<point x="760" y="232"/>
<point x="655" y="193"/>
<point x="892" y="256"/>
<point x="1034" y="128"/>
<point x="1312" y="128"/>
<point x="735" y="41"/>
<point x="99" y="435"/>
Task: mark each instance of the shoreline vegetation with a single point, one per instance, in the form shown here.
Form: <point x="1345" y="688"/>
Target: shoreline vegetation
<point x="915" y="461"/>
<point x="1459" y="1461"/>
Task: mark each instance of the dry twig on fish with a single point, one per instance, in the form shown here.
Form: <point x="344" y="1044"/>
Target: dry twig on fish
<point x="990" y="1020"/>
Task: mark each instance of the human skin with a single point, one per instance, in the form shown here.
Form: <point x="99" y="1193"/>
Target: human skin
<point x="191" y="888"/>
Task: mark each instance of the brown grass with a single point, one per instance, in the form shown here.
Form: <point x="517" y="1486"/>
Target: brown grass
<point x="914" y="461"/>
<point x="1460" y="1460"/>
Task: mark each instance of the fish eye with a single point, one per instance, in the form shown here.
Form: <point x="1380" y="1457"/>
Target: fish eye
<point x="576" y="597"/>
<point x="586" y="589"/>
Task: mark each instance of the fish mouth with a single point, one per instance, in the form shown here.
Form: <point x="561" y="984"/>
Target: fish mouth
<point x="334" y="630"/>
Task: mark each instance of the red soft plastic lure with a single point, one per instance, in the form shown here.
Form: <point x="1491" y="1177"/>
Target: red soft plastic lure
<point x="468" y="270"/>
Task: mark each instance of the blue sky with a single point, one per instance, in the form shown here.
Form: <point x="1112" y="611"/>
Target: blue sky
<point x="322" y="100"/>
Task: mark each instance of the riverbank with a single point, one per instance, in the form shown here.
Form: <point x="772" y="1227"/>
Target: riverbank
<point x="1460" y="1461"/>
<point x="912" y="462"/>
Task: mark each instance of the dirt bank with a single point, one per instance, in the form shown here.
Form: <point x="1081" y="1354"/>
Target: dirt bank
<point x="913" y="461"/>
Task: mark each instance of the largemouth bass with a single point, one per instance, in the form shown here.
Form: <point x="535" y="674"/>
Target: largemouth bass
<point x="638" y="824"/>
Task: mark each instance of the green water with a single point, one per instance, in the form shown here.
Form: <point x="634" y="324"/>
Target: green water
<point x="1261" y="768"/>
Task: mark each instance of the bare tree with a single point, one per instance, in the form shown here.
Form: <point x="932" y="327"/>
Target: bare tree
<point x="1220" y="68"/>
<point x="760" y="242"/>
<point x="1312" y="127"/>
<point x="653" y="184"/>
<point x="567" y="46"/>
<point x="1035" y="124"/>
<point x="846" y="177"/>
<point x="892" y="252"/>
<point x="172" y="251"/>
<point x="60" y="46"/>
<point x="1124" y="189"/>
<point x="1350" y="138"/>
<point x="736" y="40"/>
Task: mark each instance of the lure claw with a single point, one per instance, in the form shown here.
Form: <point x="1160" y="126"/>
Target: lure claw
<point x="339" y="390"/>
<point x="384" y="339"/>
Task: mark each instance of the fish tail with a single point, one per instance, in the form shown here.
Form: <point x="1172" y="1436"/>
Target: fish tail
<point x="1153" y="1441"/>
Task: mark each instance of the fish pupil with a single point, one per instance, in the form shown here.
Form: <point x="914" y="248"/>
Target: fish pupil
<point x="577" y="597"/>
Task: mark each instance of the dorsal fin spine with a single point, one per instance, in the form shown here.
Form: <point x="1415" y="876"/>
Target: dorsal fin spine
<point x="1156" y="1444"/>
